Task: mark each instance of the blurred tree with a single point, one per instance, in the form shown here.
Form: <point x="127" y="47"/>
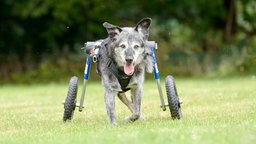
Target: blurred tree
<point x="190" y="33"/>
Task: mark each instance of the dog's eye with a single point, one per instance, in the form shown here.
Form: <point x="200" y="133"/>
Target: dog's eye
<point x="136" y="46"/>
<point x="122" y="46"/>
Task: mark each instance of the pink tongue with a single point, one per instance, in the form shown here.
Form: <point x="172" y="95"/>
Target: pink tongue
<point x="128" y="69"/>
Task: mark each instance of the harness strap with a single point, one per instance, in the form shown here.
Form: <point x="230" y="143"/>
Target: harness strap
<point x="123" y="79"/>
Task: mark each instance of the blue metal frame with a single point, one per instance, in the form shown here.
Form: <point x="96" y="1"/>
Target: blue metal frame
<point x="87" y="67"/>
<point x="156" y="75"/>
<point x="156" y="71"/>
<point x="86" y="76"/>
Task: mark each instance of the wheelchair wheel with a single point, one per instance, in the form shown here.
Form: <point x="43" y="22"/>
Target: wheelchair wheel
<point x="173" y="99"/>
<point x="70" y="102"/>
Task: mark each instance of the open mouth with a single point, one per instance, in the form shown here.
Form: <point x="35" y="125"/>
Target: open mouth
<point x="128" y="69"/>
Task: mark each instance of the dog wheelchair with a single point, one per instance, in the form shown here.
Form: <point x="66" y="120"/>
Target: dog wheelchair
<point x="92" y="50"/>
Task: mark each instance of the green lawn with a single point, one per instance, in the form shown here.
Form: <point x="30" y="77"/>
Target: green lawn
<point x="214" y="111"/>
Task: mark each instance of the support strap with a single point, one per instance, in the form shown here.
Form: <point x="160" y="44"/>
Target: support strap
<point x="123" y="79"/>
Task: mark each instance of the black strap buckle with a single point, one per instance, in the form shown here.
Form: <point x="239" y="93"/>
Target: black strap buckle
<point x="109" y="62"/>
<point x="124" y="77"/>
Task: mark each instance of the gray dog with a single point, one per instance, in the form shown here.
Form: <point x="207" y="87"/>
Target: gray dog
<point x="124" y="57"/>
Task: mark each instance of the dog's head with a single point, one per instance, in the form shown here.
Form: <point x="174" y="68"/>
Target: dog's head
<point x="128" y="44"/>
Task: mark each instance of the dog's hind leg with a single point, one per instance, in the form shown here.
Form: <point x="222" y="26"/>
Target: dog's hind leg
<point x="123" y="98"/>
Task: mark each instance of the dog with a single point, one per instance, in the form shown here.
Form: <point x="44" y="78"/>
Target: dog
<point x="124" y="58"/>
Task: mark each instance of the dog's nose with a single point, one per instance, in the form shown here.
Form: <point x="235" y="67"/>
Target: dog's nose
<point x="129" y="60"/>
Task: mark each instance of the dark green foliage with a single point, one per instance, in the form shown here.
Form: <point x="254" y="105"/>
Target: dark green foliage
<point x="42" y="38"/>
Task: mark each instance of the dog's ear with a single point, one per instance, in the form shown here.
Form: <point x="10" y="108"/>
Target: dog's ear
<point x="112" y="29"/>
<point x="143" y="26"/>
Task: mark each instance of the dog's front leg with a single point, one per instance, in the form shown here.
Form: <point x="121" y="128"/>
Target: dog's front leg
<point x="109" y="97"/>
<point x="111" y="88"/>
<point x="123" y="98"/>
<point x="136" y="101"/>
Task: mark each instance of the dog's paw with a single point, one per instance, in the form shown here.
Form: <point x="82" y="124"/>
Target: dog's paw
<point x="141" y="118"/>
<point x="127" y="119"/>
<point x="114" y="124"/>
<point x="132" y="118"/>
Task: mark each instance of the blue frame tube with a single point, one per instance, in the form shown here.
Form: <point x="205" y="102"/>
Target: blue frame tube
<point x="156" y="71"/>
<point x="87" y="67"/>
<point x="86" y="76"/>
<point x="157" y="77"/>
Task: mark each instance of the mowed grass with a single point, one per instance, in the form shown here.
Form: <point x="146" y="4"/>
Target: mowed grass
<point x="214" y="111"/>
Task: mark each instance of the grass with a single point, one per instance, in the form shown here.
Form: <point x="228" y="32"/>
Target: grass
<point x="214" y="111"/>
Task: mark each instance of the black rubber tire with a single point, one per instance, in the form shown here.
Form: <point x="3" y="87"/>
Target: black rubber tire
<point x="173" y="98"/>
<point x="70" y="102"/>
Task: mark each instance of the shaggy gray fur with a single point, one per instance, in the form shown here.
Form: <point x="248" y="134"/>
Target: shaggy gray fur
<point x="125" y="46"/>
